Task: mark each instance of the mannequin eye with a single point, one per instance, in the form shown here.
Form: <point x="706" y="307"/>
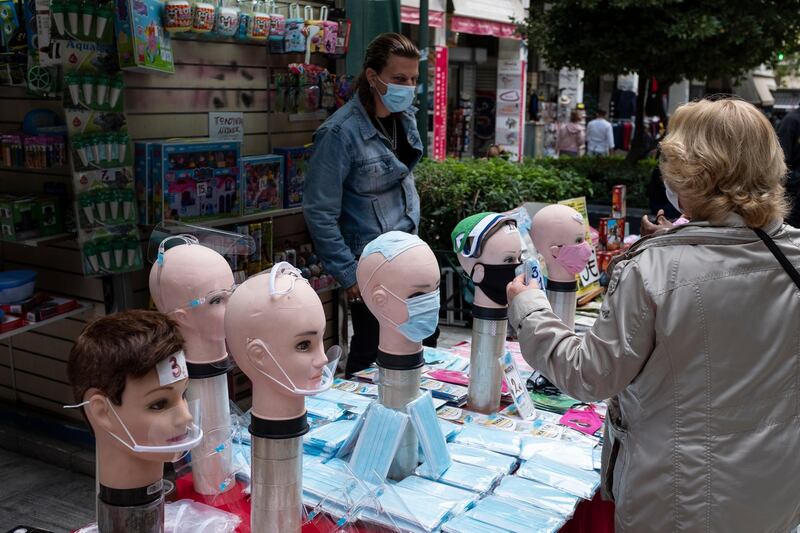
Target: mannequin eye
<point x="216" y="300"/>
<point x="512" y="259"/>
<point x="416" y="294"/>
<point x="303" y="346"/>
<point x="158" y="405"/>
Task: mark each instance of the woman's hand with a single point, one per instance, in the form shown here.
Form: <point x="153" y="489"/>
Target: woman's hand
<point x="353" y="293"/>
<point x="662" y="224"/>
<point x="518" y="286"/>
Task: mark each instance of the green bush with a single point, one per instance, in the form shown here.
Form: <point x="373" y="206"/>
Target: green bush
<point x="454" y="189"/>
<point x="605" y="172"/>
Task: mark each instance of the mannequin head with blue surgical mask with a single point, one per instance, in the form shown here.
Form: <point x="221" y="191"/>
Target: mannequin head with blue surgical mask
<point x="399" y="279"/>
<point x="389" y="78"/>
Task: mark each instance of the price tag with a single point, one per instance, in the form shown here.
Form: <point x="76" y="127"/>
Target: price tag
<point x="202" y="189"/>
<point x="522" y="400"/>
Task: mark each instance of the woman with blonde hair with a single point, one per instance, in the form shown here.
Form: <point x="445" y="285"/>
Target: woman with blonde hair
<point x="697" y="344"/>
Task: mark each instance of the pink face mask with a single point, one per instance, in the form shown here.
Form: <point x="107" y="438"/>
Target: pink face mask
<point x="574" y="257"/>
<point x="585" y="420"/>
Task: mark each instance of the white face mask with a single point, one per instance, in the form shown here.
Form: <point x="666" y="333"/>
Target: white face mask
<point x="673" y="198"/>
<point x="325" y="382"/>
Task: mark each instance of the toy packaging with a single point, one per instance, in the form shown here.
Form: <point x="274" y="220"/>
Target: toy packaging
<point x="29" y="216"/>
<point x="142" y="42"/>
<point x="198" y="181"/>
<point x="263" y="179"/>
<point x="295" y="163"/>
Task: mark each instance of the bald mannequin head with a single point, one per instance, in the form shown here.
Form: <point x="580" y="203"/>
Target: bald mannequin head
<point x="269" y="335"/>
<point x="190" y="272"/>
<point x="554" y="228"/>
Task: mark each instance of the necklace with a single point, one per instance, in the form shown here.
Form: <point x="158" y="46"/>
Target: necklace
<point x="393" y="138"/>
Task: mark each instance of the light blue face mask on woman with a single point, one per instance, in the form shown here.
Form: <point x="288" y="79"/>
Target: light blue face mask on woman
<point x="398" y="98"/>
<point x="423" y="315"/>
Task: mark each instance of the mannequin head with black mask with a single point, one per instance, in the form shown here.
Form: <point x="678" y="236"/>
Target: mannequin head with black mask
<point x="489" y="250"/>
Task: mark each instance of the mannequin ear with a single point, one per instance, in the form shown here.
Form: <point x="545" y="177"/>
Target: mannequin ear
<point x="256" y="355"/>
<point x="99" y="412"/>
<point x="379" y="297"/>
<point x="554" y="251"/>
<point x="180" y="316"/>
<point x="478" y="273"/>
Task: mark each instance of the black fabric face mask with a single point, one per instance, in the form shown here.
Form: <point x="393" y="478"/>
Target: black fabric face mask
<point x="495" y="280"/>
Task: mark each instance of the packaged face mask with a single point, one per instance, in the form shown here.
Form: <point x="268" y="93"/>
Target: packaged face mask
<point x="583" y="419"/>
<point x="444" y="360"/>
<point x="429" y="433"/>
<point x="497" y="440"/>
<point x="409" y="510"/>
<point x="462" y="498"/>
<point x="514" y="516"/>
<point x="325" y="410"/>
<point x="452" y="393"/>
<point x="326" y="440"/>
<point x="581" y="483"/>
<point x="462" y="416"/>
<point x="355" y="403"/>
<point x="474" y="478"/>
<point x="496" y="462"/>
<point x="449" y="430"/>
<point x="537" y="495"/>
<point x="465" y="524"/>
<point x="364" y="389"/>
<point x="576" y="455"/>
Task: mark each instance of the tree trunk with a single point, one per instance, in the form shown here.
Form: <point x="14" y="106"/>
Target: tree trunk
<point x="639" y="149"/>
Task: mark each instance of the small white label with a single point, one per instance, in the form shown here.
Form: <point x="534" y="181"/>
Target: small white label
<point x="522" y="400"/>
<point x="226" y="126"/>
<point x="172" y="369"/>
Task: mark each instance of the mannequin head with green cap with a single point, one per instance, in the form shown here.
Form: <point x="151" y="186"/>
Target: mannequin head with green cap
<point x="489" y="250"/>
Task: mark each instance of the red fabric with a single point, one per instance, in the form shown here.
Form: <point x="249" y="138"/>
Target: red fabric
<point x="483" y="27"/>
<point x="410" y="15"/>
<point x="627" y="133"/>
<point x="595" y="516"/>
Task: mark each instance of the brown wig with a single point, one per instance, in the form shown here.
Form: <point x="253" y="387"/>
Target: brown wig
<point x="377" y="57"/>
<point x="118" y="346"/>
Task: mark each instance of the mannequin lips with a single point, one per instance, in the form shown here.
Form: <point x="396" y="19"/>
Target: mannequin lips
<point x="179" y="437"/>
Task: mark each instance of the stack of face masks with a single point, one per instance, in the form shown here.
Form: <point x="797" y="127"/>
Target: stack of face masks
<point x="466" y="524"/>
<point x="496" y="462"/>
<point x="444" y="360"/>
<point x="470" y="477"/>
<point x="449" y="430"/>
<point x="429" y="433"/>
<point x="559" y="451"/>
<point x="511" y="516"/>
<point x="410" y="510"/>
<point x="377" y="443"/>
<point x="537" y="495"/>
<point x="575" y="481"/>
<point x="454" y="394"/>
<point x="328" y="439"/>
<point x="461" y="499"/>
<point x="497" y="440"/>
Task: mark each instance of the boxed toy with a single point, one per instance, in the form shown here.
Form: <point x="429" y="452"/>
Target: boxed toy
<point x="295" y="163"/>
<point x="29" y="216"/>
<point x="195" y="181"/>
<point x="142" y="43"/>
<point x="262" y="176"/>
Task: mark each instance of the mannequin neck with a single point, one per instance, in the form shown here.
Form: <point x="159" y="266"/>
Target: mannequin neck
<point x="118" y="468"/>
<point x="481" y="300"/>
<point x="271" y="402"/>
<point x="555" y="272"/>
<point x="393" y="342"/>
<point x="200" y="350"/>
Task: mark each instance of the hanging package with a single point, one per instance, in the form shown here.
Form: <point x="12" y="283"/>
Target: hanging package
<point x="277" y="31"/>
<point x="295" y="41"/>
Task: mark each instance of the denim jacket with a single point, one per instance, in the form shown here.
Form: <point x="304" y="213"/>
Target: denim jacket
<point x="356" y="188"/>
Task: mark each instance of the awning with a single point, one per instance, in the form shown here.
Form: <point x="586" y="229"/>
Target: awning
<point x="487" y="17"/>
<point x="410" y="15"/>
<point x="757" y="89"/>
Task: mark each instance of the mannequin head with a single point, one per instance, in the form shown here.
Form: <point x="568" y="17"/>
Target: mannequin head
<point x="559" y="235"/>
<point x="399" y="280"/>
<point x="194" y="273"/>
<point x="277" y="341"/>
<point x="489" y="250"/>
<point x="129" y="372"/>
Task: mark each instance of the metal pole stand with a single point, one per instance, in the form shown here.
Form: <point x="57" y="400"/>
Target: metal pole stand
<point x="277" y="474"/>
<point x="145" y="518"/>
<point x="563" y="296"/>
<point x="488" y="344"/>
<point x="398" y="385"/>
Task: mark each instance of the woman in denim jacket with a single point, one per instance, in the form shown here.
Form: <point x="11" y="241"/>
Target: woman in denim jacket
<point x="359" y="183"/>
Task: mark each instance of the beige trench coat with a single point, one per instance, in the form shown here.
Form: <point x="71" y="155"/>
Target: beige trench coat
<point x="698" y="342"/>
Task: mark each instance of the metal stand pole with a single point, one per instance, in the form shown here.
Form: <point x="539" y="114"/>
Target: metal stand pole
<point x="277" y="485"/>
<point x="147" y="518"/>
<point x="212" y="460"/>
<point x="396" y="388"/>
<point x="563" y="297"/>
<point x="488" y="344"/>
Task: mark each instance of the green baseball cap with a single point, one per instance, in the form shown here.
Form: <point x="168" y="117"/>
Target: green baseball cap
<point x="470" y="234"/>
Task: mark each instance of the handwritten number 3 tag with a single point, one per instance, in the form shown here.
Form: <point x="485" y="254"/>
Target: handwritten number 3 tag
<point x="172" y="369"/>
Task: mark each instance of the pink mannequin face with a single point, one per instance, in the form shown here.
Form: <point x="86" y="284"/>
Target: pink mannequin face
<point x="385" y="285"/>
<point x="502" y="247"/>
<point x="291" y="327"/>
<point x="153" y="414"/>
<point x="192" y="272"/>
<point x="554" y="227"/>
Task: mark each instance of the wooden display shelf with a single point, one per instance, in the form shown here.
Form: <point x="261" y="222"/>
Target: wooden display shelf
<point x="248" y="218"/>
<point x="82" y="308"/>
<point x="46" y="239"/>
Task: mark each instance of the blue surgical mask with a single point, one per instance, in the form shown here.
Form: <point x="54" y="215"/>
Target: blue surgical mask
<point x="423" y="315"/>
<point x="398" y="98"/>
<point x="434" y="445"/>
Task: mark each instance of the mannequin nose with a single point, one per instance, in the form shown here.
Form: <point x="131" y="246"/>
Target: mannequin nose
<point x="320" y="359"/>
<point x="183" y="415"/>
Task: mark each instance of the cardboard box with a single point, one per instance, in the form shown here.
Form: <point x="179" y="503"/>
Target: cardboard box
<point x="143" y="181"/>
<point x="619" y="202"/>
<point x="29" y="216"/>
<point x="23" y="307"/>
<point x="295" y="163"/>
<point x="142" y="43"/>
<point x="11" y="322"/>
<point x="262" y="183"/>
